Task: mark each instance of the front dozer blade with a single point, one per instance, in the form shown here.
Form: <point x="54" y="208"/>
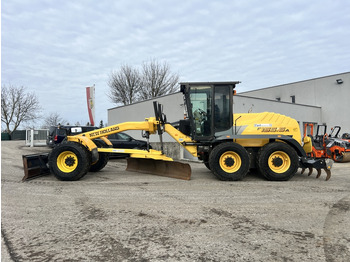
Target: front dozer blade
<point x="35" y="165"/>
<point x="160" y="168"/>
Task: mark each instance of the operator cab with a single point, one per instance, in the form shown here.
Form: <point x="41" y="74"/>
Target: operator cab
<point x="209" y="109"/>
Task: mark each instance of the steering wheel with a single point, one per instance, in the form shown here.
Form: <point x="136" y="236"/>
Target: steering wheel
<point x="200" y="114"/>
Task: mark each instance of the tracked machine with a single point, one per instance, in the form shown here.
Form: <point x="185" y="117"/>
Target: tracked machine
<point x="228" y="144"/>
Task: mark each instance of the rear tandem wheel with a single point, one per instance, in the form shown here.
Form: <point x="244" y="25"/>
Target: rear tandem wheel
<point x="229" y="161"/>
<point x="278" y="161"/>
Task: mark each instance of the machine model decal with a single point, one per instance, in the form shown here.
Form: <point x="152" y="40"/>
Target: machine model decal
<point x="273" y="129"/>
<point x="263" y="125"/>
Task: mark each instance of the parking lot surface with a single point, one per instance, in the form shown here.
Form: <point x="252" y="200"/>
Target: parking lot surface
<point x="115" y="215"/>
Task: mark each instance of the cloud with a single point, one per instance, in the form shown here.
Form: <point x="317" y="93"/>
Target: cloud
<point x="59" y="48"/>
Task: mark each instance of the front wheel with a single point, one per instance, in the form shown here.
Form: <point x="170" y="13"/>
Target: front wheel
<point x="207" y="165"/>
<point x="103" y="158"/>
<point x="69" y="161"/>
<point x="229" y="161"/>
<point x="278" y="161"/>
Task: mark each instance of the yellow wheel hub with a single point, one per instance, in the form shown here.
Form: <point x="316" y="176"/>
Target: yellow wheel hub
<point x="230" y="162"/>
<point x="67" y="161"/>
<point x="279" y="162"/>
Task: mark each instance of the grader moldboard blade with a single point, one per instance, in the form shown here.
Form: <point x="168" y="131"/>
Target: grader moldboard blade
<point x="35" y="165"/>
<point x="160" y="168"/>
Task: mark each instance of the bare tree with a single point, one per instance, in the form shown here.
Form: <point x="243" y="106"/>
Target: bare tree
<point x="157" y="80"/>
<point x="53" y="120"/>
<point x="129" y="85"/>
<point x="17" y="106"/>
<point x="124" y="85"/>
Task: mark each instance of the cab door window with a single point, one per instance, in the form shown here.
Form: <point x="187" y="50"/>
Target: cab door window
<point x="201" y="110"/>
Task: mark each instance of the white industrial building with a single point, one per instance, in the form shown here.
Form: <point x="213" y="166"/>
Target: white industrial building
<point x="323" y="100"/>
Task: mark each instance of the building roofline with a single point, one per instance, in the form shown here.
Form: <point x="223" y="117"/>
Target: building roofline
<point x="138" y="102"/>
<point x="240" y="93"/>
<point x="316" y="78"/>
<point x="271" y="100"/>
<point x="211" y="83"/>
<point x="181" y="83"/>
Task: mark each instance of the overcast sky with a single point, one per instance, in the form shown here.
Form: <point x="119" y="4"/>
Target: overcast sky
<point x="57" y="48"/>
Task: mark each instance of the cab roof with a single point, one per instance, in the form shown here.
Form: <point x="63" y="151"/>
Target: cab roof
<point x="210" y="83"/>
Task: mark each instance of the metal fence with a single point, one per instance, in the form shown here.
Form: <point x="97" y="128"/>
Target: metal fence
<point x="16" y="135"/>
<point x="36" y="137"/>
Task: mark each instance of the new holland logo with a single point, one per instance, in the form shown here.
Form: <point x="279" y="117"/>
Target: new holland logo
<point x="104" y="131"/>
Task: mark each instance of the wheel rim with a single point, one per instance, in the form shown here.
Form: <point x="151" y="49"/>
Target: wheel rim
<point x="67" y="161"/>
<point x="230" y="162"/>
<point x="279" y="162"/>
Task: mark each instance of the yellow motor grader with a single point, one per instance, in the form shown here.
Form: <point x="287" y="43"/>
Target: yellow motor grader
<point x="228" y="144"/>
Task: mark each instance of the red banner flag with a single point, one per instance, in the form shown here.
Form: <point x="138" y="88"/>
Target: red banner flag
<point x="90" y="97"/>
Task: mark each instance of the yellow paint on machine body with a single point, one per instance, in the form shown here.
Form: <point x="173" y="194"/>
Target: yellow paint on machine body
<point x="265" y="123"/>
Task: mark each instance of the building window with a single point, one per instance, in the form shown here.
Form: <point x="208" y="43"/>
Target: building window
<point x="293" y="99"/>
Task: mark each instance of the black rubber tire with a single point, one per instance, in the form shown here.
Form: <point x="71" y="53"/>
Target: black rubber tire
<point x="207" y="165"/>
<point x="279" y="150"/>
<point x="103" y="158"/>
<point x="226" y="156"/>
<point x="69" y="161"/>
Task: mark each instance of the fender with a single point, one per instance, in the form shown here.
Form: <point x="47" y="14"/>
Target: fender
<point x="287" y="139"/>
